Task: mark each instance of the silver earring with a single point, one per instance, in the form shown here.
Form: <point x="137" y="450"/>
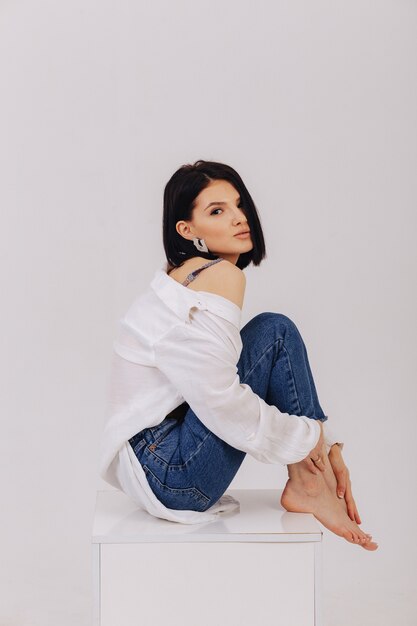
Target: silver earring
<point x="200" y="244"/>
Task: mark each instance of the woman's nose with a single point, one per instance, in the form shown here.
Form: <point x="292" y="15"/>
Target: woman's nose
<point x="240" y="216"/>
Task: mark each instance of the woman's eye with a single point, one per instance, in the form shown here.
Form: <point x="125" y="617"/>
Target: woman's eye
<point x="219" y="209"/>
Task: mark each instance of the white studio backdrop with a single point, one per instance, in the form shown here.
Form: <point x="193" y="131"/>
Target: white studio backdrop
<point x="315" y="105"/>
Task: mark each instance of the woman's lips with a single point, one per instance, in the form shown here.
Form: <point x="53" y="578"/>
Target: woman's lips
<point x="243" y="235"/>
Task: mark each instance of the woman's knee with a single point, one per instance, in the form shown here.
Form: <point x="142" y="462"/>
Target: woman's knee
<point x="269" y="322"/>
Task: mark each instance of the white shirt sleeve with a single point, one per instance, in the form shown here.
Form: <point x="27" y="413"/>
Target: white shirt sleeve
<point x="200" y="359"/>
<point x="330" y="437"/>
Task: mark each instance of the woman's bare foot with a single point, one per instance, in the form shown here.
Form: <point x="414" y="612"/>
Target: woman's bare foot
<point x="308" y="493"/>
<point x="331" y="481"/>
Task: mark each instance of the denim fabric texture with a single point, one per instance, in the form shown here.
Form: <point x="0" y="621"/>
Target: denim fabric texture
<point x="189" y="467"/>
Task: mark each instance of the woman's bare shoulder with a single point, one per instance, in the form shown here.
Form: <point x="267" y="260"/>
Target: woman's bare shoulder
<point x="223" y="279"/>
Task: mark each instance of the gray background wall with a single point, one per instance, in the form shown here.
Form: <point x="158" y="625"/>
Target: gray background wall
<point x="315" y="104"/>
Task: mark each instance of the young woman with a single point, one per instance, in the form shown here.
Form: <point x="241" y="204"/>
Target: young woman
<point x="191" y="394"/>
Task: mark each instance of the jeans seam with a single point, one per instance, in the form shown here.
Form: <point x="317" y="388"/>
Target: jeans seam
<point x="178" y="466"/>
<point x="175" y="490"/>
<point x="261" y="357"/>
<point x="293" y="378"/>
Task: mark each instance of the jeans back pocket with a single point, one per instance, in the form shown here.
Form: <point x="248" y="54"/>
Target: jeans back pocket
<point x="185" y="498"/>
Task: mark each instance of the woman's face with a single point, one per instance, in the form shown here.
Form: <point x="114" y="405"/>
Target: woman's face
<point x="216" y="218"/>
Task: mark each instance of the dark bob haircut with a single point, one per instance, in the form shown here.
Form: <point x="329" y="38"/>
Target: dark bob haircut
<point x="180" y="194"/>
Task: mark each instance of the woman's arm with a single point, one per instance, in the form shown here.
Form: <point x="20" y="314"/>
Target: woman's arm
<point x="199" y="359"/>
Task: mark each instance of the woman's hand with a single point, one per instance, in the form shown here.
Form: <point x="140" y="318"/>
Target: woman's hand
<point x="343" y="488"/>
<point x="314" y="460"/>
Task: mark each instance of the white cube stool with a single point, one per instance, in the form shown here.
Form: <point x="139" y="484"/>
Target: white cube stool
<point x="261" y="565"/>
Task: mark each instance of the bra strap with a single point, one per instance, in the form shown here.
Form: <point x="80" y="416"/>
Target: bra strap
<point x="195" y="273"/>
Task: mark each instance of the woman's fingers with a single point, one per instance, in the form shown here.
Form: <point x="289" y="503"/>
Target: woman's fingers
<point x="353" y="512"/>
<point x="315" y="460"/>
<point x="356" y="513"/>
<point x="319" y="463"/>
<point x="351" y="505"/>
<point x="341" y="483"/>
<point x="317" y="466"/>
<point x="312" y="466"/>
<point x="344" y="484"/>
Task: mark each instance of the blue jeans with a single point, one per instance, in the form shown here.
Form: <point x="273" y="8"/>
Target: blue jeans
<point x="188" y="466"/>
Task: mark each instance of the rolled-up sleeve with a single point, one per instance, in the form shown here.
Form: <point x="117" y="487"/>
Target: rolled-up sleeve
<point x="330" y="436"/>
<point x="202" y="364"/>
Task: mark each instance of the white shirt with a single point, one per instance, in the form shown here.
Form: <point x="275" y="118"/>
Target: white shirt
<point x="176" y="344"/>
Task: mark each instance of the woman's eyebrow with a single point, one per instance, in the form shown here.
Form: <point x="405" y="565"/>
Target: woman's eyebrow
<point x="211" y="203"/>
